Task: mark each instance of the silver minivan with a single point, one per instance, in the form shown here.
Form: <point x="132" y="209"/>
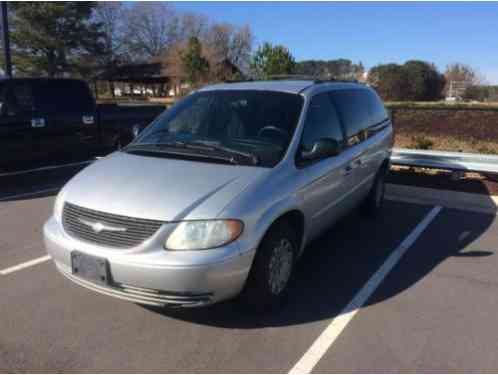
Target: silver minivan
<point x="220" y="195"/>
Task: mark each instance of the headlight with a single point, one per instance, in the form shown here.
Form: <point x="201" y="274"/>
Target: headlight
<point x="58" y="206"/>
<point x="202" y="235"/>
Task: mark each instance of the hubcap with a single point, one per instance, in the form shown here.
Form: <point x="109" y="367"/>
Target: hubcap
<point x="280" y="266"/>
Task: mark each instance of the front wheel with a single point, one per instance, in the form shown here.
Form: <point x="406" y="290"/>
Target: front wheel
<point x="268" y="280"/>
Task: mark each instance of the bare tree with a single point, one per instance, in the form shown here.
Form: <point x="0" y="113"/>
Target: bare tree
<point x="110" y="15"/>
<point x="192" y="25"/>
<point x="462" y="72"/>
<point x="461" y="76"/>
<point x="151" y="30"/>
<point x="241" y="46"/>
<point x="228" y="42"/>
<point x="218" y="40"/>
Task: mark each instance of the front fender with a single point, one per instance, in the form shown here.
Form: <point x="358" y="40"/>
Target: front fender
<point x="261" y="223"/>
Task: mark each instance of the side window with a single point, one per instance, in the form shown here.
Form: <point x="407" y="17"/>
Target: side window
<point x="321" y="121"/>
<point x="19" y="99"/>
<point x="353" y="107"/>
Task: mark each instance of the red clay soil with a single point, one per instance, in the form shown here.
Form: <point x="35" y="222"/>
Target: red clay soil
<point x="451" y="130"/>
<point x="471" y="183"/>
<point x="480" y="125"/>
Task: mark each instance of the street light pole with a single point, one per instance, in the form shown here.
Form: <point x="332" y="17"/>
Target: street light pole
<point x="6" y="40"/>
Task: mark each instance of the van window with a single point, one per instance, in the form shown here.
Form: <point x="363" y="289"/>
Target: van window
<point x="377" y="110"/>
<point x="353" y="107"/>
<point x="321" y="121"/>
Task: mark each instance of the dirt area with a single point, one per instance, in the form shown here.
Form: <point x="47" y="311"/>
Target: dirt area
<point x="438" y="179"/>
<point x="449" y="130"/>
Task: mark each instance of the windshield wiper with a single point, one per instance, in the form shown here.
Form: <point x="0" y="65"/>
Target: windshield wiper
<point x="169" y="148"/>
<point x="217" y="147"/>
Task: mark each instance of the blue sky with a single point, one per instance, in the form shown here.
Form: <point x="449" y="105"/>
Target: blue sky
<point x="371" y="32"/>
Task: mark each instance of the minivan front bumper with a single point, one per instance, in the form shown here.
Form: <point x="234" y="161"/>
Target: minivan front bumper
<point x="156" y="277"/>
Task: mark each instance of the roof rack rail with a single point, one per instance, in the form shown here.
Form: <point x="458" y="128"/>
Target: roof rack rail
<point x="295" y="77"/>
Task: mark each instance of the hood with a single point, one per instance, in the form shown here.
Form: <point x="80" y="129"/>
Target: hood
<point x="158" y="188"/>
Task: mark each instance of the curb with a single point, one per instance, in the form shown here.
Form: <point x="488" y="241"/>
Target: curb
<point x="445" y="198"/>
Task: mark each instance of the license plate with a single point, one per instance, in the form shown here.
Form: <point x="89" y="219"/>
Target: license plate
<point x="90" y="267"/>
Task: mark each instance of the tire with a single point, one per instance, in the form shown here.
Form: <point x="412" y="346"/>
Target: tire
<point x="372" y="206"/>
<point x="267" y="284"/>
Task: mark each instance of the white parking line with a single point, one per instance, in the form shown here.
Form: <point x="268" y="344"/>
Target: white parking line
<point x="25" y="265"/>
<point x="320" y="346"/>
<point x="30" y="194"/>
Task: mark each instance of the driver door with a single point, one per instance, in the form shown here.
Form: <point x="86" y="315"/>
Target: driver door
<point x="328" y="180"/>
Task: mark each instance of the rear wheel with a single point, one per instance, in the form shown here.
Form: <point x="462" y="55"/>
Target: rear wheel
<point x="268" y="280"/>
<point x="374" y="202"/>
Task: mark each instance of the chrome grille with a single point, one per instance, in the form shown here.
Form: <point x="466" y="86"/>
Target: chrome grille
<point x="137" y="230"/>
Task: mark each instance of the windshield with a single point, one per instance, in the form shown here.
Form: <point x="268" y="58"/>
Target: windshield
<point x="247" y="126"/>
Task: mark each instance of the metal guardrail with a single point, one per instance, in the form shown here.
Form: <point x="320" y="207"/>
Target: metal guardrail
<point x="454" y="161"/>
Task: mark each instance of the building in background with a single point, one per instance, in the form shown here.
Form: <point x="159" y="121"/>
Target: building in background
<point x="456" y="90"/>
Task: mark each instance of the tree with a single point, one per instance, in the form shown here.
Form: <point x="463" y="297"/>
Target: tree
<point x="110" y="15"/>
<point x="359" y="72"/>
<point x="151" y="30"/>
<point x="191" y="25"/>
<point x="226" y="42"/>
<point x="272" y="60"/>
<point x="389" y="80"/>
<point x="462" y="73"/>
<point x="479" y="93"/>
<point x="195" y="66"/>
<point x="425" y="82"/>
<point x="414" y="80"/>
<point x="50" y="38"/>
<point x="339" y="69"/>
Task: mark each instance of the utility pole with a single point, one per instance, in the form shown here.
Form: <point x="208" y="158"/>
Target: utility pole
<point x="6" y="40"/>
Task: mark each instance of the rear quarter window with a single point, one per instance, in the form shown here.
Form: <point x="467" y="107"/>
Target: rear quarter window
<point x="376" y="108"/>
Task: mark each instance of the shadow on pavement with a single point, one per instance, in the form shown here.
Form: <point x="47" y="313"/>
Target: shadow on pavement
<point x="336" y="266"/>
<point x="51" y="192"/>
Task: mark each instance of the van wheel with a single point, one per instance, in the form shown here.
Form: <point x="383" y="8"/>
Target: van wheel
<point x="271" y="271"/>
<point x="372" y="206"/>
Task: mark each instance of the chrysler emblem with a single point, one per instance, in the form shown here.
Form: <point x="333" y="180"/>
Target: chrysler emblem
<point x="98" y="227"/>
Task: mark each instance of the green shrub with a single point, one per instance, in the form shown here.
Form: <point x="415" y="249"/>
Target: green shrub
<point x="422" y="143"/>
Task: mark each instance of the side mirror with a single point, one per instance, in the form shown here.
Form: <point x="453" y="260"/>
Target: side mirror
<point x="136" y="130"/>
<point x="323" y="148"/>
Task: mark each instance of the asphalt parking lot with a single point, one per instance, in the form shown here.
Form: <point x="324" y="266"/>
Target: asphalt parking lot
<point x="427" y="292"/>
